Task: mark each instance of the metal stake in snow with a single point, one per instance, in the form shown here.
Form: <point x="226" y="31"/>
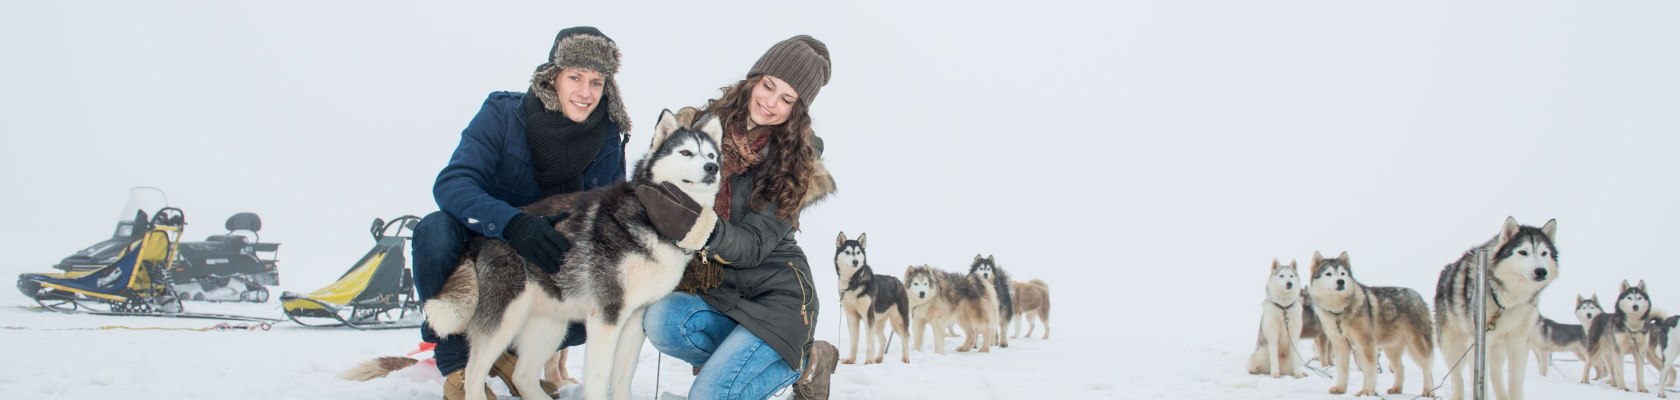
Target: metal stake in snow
<point x="1479" y="309"/>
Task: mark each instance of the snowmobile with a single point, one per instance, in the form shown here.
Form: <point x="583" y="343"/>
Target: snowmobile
<point x="376" y="293"/>
<point x="229" y="267"/>
<point x="136" y="283"/>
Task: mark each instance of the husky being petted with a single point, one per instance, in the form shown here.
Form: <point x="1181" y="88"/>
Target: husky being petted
<point x="1522" y="261"/>
<point x="620" y="263"/>
<point x="1363" y="319"/>
<point x="874" y="300"/>
<point x="1280" y="326"/>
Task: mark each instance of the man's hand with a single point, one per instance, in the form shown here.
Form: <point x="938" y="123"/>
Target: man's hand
<point x="536" y="240"/>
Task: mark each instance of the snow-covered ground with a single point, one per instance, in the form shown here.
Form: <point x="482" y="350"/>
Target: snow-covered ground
<point x="52" y="356"/>
<point x="1147" y="159"/>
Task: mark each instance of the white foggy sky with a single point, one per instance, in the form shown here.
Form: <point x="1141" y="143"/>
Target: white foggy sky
<point x="1123" y="152"/>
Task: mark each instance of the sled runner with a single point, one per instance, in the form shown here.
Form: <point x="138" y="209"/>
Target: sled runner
<point x="376" y="293"/>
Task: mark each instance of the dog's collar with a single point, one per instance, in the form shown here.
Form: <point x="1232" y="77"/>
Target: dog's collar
<point x="1642" y="327"/>
<point x="1283" y="307"/>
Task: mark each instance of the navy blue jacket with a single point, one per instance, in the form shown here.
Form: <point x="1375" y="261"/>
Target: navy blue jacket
<point x="491" y="173"/>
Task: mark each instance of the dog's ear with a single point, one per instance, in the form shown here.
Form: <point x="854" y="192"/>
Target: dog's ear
<point x="1595" y="298"/>
<point x="1275" y="265"/>
<point x="714" y="128"/>
<point x="907" y="271"/>
<point x="1344" y="259"/>
<point x="1317" y="258"/>
<point x="976" y="257"/>
<point x="991" y="259"/>
<point x="1641" y="285"/>
<point x="1579" y="300"/>
<point x="1291" y="263"/>
<point x="1550" y="229"/>
<point x="1509" y="231"/>
<point x="863" y="239"/>
<point x="840" y="240"/>
<point x="1624" y="285"/>
<point x="662" y="129"/>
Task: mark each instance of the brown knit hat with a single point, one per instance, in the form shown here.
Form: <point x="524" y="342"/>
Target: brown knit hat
<point x="801" y="60"/>
<point x="582" y="47"/>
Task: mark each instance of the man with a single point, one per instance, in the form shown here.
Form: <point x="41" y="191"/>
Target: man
<point x="565" y="134"/>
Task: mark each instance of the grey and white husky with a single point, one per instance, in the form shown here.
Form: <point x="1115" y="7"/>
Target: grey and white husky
<point x="989" y="271"/>
<point x="1366" y="319"/>
<point x="1281" y="320"/>
<point x="1622" y="333"/>
<point x="874" y="300"/>
<point x="618" y="265"/>
<point x="1522" y="262"/>
<point x="1665" y="350"/>
<point x="1551" y="336"/>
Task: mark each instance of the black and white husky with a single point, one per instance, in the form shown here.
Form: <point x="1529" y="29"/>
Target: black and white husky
<point x="618" y="265"/>
<point x="869" y="298"/>
<point x="989" y="271"/>
<point x="1522" y="261"/>
<point x="1622" y="333"/>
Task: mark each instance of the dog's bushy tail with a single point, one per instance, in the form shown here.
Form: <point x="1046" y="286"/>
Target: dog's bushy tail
<point x="449" y="312"/>
<point x="1039" y="282"/>
<point x="377" y="368"/>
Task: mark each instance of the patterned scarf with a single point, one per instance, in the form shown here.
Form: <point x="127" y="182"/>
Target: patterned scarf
<point x="741" y="151"/>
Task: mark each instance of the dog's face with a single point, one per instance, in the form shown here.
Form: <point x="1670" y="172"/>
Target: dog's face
<point x="849" y="254"/>
<point x="1587" y="308"/>
<point x="983" y="267"/>
<point x="1633" y="300"/>
<point x="919" y="284"/>
<point x="684" y="156"/>
<point x="1331" y="276"/>
<point x="1527" y="256"/>
<point x="1284" y="283"/>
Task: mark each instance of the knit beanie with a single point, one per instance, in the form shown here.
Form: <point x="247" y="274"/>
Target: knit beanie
<point x="801" y="60"/>
<point x="582" y="47"/>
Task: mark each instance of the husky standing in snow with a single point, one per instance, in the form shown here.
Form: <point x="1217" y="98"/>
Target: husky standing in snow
<point x="1031" y="300"/>
<point x="620" y="262"/>
<point x="874" y="300"/>
<point x="1664" y="350"/>
<point x="1366" y="319"/>
<point x="1280" y="325"/>
<point x="989" y="271"/>
<point x="1523" y="261"/>
<point x="941" y="298"/>
<point x="1622" y="333"/>
<point x="1552" y="336"/>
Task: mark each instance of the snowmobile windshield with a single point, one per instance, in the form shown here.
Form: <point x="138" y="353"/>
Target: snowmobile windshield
<point x="142" y="202"/>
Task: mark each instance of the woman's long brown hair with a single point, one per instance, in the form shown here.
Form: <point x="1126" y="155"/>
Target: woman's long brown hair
<point x="782" y="177"/>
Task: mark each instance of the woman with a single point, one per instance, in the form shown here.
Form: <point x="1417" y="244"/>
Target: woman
<point x="745" y="313"/>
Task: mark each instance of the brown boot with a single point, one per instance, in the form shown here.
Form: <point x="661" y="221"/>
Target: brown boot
<point x="819" y="367"/>
<point x="455" y="387"/>
<point x="503" y="368"/>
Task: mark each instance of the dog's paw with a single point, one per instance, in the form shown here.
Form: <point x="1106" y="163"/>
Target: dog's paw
<point x="1393" y="390"/>
<point x="1338" y="389"/>
<point x="848" y="361"/>
<point x="1428" y="392"/>
<point x="1366" y="392"/>
<point x="1299" y="375"/>
<point x="905" y="360"/>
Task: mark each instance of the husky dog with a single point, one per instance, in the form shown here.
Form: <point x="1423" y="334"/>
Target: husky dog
<point x="989" y="271"/>
<point x="943" y="298"/>
<point x="1665" y="350"/>
<point x="1522" y="262"/>
<point x="870" y="298"/>
<point x="1586" y="309"/>
<point x="1031" y="300"/>
<point x="1280" y="325"/>
<point x="1366" y="319"/>
<point x="1310" y="329"/>
<point x="618" y="265"/>
<point x="1621" y="333"/>
<point x="1551" y="336"/>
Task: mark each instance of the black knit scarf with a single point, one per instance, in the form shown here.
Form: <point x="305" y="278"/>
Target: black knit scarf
<point x="561" y="148"/>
